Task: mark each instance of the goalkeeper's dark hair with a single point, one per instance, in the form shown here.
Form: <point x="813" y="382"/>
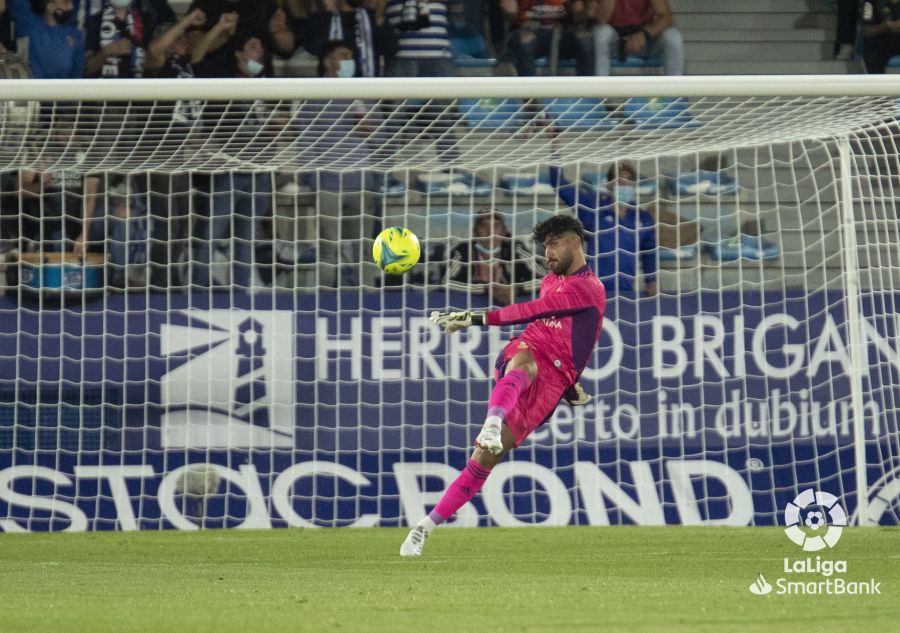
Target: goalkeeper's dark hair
<point x="557" y="226"/>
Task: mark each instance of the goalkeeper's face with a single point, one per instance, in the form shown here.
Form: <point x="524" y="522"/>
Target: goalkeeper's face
<point x="560" y="251"/>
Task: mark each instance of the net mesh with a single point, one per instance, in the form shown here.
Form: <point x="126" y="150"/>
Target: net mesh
<point x="228" y="354"/>
<point x="407" y="134"/>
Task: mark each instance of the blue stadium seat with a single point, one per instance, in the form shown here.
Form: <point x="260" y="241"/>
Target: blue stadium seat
<point x="894" y="62"/>
<point x="491" y="114"/>
<point x="544" y="62"/>
<point x="465" y="61"/>
<point x="742" y="246"/>
<point x="658" y="113"/>
<point x="528" y="184"/>
<point x="681" y="253"/>
<point x="439" y="223"/>
<point x="596" y="180"/>
<point x="468" y="49"/>
<point x="469" y="45"/>
<point x="392" y="187"/>
<point x="700" y="182"/>
<point x="456" y="183"/>
<point x="578" y="113"/>
<point x="633" y="61"/>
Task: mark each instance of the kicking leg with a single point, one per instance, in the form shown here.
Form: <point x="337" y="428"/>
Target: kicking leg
<point x="520" y="373"/>
<point x="466" y="485"/>
<point x="493" y="443"/>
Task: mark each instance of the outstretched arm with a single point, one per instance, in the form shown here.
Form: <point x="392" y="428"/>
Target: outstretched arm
<point x="586" y="203"/>
<point x="564" y="189"/>
<point x="556" y="304"/>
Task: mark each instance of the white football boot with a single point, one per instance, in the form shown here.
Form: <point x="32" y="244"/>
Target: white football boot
<point x="415" y="542"/>
<point x="489" y="438"/>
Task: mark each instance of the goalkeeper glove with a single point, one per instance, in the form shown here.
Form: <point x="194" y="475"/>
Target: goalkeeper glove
<point x="457" y="320"/>
<point x="577" y="396"/>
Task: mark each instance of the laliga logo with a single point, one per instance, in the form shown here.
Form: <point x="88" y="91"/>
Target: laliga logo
<point x="826" y="513"/>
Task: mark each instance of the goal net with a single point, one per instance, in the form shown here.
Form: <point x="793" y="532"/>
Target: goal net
<point x="193" y="333"/>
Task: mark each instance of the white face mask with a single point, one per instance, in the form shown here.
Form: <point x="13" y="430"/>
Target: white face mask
<point x="253" y="67"/>
<point x="487" y="251"/>
<point x="120" y="4"/>
<point x="347" y="68"/>
<point x="626" y="194"/>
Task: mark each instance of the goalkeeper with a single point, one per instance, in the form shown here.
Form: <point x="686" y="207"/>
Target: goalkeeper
<point x="536" y="369"/>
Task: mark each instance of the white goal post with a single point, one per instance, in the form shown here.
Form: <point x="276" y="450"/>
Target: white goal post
<point x="226" y="354"/>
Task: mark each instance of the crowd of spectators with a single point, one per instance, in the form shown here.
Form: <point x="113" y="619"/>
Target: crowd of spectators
<point x="242" y="39"/>
<point x="65" y="39"/>
<point x="396" y="38"/>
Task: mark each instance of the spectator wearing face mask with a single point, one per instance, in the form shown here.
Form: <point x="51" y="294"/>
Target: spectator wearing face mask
<point x="116" y="40"/>
<point x="55" y="45"/>
<point x="337" y="60"/>
<point x="261" y="19"/>
<point x="374" y="39"/>
<point x="620" y="233"/>
<point x="493" y="262"/>
<point x="249" y="59"/>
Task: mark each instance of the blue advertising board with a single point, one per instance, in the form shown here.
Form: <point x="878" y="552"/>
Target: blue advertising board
<point x="173" y="411"/>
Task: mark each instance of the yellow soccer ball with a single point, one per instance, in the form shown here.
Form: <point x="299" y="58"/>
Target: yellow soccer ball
<point x="396" y="250"/>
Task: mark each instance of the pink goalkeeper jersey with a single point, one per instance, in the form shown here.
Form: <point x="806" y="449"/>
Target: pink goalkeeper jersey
<point x="564" y="322"/>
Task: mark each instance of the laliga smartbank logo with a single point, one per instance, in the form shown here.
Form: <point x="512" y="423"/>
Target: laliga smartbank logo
<point x="814" y="520"/>
<point x="811" y="508"/>
<point x="760" y="586"/>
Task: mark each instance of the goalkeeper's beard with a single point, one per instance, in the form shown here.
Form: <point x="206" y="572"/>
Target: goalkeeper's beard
<point x="560" y="266"/>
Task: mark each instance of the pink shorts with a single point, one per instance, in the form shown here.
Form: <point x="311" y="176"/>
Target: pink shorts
<point x="536" y="405"/>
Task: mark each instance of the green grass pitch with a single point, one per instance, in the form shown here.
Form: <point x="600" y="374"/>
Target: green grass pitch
<point x="630" y="579"/>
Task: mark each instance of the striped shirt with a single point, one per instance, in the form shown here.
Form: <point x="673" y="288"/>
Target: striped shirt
<point x="431" y="42"/>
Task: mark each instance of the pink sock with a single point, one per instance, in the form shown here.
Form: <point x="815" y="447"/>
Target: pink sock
<point x="463" y="488"/>
<point x="507" y="391"/>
